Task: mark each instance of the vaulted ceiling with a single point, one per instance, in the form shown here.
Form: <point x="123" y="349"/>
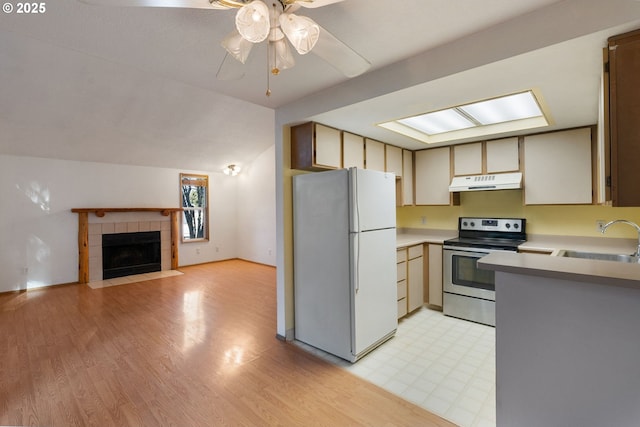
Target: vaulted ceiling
<point x="138" y="85"/>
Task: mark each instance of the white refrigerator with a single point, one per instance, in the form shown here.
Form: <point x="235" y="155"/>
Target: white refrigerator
<point x="345" y="285"/>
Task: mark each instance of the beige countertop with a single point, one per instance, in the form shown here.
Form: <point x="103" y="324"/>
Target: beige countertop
<point x="575" y="269"/>
<point x="552" y="243"/>
<point x="588" y="270"/>
<point x="535" y="242"/>
<point x="412" y="236"/>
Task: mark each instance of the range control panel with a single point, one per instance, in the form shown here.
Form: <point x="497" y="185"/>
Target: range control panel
<point x="508" y="225"/>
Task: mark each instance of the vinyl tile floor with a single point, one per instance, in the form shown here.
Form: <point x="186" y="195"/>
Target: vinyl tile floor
<point x="440" y="363"/>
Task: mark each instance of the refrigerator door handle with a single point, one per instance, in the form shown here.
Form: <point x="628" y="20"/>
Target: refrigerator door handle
<point x="355" y="258"/>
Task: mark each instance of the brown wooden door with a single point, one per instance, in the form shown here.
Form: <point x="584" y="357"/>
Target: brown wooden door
<point x="624" y="115"/>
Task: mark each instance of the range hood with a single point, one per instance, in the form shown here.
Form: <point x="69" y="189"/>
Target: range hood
<point x="499" y="181"/>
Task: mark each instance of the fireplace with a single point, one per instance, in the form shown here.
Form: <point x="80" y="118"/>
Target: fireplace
<point x="119" y="221"/>
<point x="125" y="254"/>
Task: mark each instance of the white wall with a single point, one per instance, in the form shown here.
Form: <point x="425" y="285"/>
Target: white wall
<point x="38" y="231"/>
<point x="257" y="210"/>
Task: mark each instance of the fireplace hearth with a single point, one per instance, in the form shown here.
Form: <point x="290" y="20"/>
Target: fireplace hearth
<point x="125" y="254"/>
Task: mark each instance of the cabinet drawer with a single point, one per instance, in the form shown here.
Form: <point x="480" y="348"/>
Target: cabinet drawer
<point x="402" y="289"/>
<point x="402" y="271"/>
<point x="415" y="251"/>
<point x="401" y="255"/>
<point x="402" y="307"/>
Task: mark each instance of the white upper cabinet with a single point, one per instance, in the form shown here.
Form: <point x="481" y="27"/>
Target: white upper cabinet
<point x="432" y="176"/>
<point x="393" y="160"/>
<point x="558" y="168"/>
<point x="503" y="155"/>
<point x="407" y="178"/>
<point x="352" y="150"/>
<point x="374" y="155"/>
<point x="467" y="159"/>
<point x="497" y="156"/>
<point x="315" y="147"/>
<point x="328" y="147"/>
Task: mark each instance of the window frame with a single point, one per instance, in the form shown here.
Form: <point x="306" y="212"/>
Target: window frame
<point x="197" y="179"/>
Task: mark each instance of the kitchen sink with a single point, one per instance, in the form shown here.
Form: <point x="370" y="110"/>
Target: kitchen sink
<point x="598" y="256"/>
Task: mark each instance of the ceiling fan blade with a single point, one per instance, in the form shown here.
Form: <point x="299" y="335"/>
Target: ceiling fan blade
<point x="190" y="4"/>
<point x="316" y="3"/>
<point x="339" y="55"/>
<point x="230" y="68"/>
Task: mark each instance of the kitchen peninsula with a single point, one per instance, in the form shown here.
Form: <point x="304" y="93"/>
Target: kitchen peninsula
<point x="567" y="340"/>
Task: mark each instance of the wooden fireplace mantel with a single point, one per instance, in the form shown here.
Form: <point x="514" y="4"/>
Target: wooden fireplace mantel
<point x="83" y="234"/>
<point x="100" y="212"/>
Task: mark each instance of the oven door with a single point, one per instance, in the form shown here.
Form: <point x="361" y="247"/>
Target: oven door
<point x="462" y="275"/>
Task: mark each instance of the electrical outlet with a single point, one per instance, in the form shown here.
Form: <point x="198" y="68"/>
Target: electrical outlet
<point x="198" y="251"/>
<point x="600" y="224"/>
<point x="423" y="219"/>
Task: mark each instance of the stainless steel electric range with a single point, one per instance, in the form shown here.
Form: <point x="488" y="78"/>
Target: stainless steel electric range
<point x="469" y="292"/>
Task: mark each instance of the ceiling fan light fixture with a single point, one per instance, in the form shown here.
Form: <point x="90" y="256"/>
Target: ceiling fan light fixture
<point x="280" y="57"/>
<point x="252" y="21"/>
<point x="303" y="32"/>
<point x="237" y="46"/>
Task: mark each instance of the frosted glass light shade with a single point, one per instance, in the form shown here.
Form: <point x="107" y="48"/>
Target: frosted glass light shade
<point x="237" y="46"/>
<point x="231" y="170"/>
<point x="280" y="57"/>
<point x="302" y="32"/>
<point x="252" y="21"/>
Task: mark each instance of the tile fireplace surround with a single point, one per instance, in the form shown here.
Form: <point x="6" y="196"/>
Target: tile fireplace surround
<point x="92" y="224"/>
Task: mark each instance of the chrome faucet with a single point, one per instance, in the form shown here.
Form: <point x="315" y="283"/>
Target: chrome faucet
<point x="624" y="221"/>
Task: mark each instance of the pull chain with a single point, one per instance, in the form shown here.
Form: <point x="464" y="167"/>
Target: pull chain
<point x="268" y="73"/>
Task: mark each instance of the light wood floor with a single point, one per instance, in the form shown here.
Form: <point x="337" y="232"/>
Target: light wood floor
<point x="197" y="349"/>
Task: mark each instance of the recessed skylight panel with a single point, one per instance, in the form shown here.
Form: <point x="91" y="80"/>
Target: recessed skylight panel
<point x="504" y="109"/>
<point x="438" y="122"/>
<point x="510" y="113"/>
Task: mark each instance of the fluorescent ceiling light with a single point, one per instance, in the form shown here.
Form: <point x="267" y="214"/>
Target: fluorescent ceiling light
<point x="509" y="113"/>
<point x="504" y="109"/>
<point x="438" y="122"/>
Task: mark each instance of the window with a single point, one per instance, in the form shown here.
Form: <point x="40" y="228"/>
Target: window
<point x="195" y="202"/>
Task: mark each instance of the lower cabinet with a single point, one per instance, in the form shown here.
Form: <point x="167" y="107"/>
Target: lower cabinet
<point x="401" y="262"/>
<point x="435" y="275"/>
<point x="410" y="263"/>
<point x="415" y="278"/>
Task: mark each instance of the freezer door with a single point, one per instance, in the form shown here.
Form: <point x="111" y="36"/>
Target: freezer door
<point x="373" y="200"/>
<point x="322" y="272"/>
<point x="374" y="288"/>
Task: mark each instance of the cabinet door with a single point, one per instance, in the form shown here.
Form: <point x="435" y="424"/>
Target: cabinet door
<point x="328" y="147"/>
<point x="415" y="278"/>
<point x="433" y="175"/>
<point x="435" y="275"/>
<point x="393" y="160"/>
<point x="401" y="263"/>
<point x="624" y="111"/>
<point x="503" y="155"/>
<point x="352" y="151"/>
<point x="374" y="155"/>
<point x="557" y="168"/>
<point x="407" y="178"/>
<point x="467" y="159"/>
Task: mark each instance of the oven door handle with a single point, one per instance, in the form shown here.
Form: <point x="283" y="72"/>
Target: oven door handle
<point x="480" y="252"/>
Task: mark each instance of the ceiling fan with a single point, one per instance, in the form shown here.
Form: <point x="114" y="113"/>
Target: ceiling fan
<point x="273" y="21"/>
